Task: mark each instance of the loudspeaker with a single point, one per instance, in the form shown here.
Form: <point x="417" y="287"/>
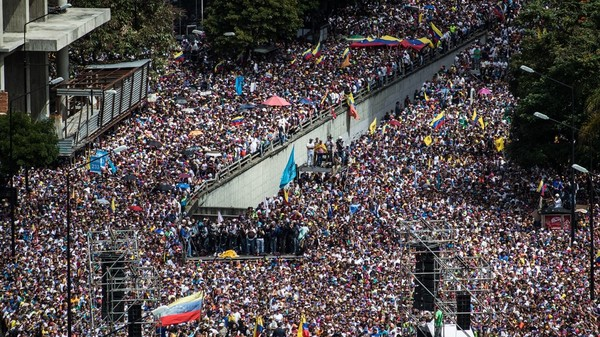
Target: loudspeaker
<point x="463" y="311"/>
<point x="113" y="285"/>
<point x="134" y="318"/>
<point x="423" y="331"/>
<point x="426" y="282"/>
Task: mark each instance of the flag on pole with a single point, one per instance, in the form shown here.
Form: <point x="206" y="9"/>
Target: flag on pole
<point x="499" y="142"/>
<point x="317" y="51"/>
<point x="286" y="196"/>
<point x="239" y="84"/>
<point x="289" y="172"/>
<point x="307" y="54"/>
<point x="324" y="97"/>
<point x="437" y="33"/>
<point x="345" y="52"/>
<point x="351" y="106"/>
<point x="302" y="327"/>
<point x="259" y="327"/>
<point x="481" y="122"/>
<point x="373" y="126"/>
<point x="438" y="121"/>
<point x="185" y="309"/>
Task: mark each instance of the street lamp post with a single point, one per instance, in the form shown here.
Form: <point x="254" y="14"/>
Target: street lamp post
<point x="573" y="191"/>
<point x="68" y="181"/>
<point x="54" y="10"/>
<point x="592" y="248"/>
<point x="11" y="161"/>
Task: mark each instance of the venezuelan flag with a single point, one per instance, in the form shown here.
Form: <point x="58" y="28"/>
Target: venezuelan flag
<point x="426" y="41"/>
<point x="259" y="327"/>
<point x="317" y="51"/>
<point x="414" y="44"/>
<point x="437" y="33"/>
<point x="307" y="54"/>
<point x="237" y="120"/>
<point x="540" y="185"/>
<point x="438" y="121"/>
<point x="481" y="122"/>
<point x="345" y="52"/>
<point x="351" y="106"/>
<point x="178" y="56"/>
<point x="183" y="310"/>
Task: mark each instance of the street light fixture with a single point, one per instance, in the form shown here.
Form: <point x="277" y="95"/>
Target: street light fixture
<point x="56" y="81"/>
<point x="527" y="69"/>
<point x="229" y="34"/>
<point x="68" y="180"/>
<point x="592" y="248"/>
<point x="544" y="117"/>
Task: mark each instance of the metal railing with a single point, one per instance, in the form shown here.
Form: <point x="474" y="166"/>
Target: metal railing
<point x="315" y="120"/>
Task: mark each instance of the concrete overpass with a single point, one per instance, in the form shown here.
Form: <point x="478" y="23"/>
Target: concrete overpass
<point x="29" y="31"/>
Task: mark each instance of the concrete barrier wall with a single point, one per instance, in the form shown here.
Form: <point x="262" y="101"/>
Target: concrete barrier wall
<point x="251" y="187"/>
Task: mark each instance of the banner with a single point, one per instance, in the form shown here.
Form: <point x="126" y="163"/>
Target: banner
<point x="98" y="161"/>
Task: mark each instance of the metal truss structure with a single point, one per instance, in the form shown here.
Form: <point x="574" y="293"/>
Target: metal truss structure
<point x="456" y="272"/>
<point x="118" y="278"/>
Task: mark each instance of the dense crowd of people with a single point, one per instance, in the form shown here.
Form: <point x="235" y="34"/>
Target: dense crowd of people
<point x="354" y="277"/>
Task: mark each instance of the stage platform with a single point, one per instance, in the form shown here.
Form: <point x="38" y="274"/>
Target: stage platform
<point x="450" y="330"/>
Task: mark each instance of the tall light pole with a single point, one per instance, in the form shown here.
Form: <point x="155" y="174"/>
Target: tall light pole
<point x="592" y="248"/>
<point x="68" y="180"/>
<point x="573" y="191"/>
<point x="54" y="10"/>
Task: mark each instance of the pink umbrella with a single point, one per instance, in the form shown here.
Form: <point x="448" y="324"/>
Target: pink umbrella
<point x="485" y="91"/>
<point x="276" y="101"/>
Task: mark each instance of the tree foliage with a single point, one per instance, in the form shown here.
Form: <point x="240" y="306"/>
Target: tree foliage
<point x="137" y="29"/>
<point x="35" y="143"/>
<point x="561" y="43"/>
<point x="254" y="22"/>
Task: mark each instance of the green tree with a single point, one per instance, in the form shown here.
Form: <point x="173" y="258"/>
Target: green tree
<point x="565" y="33"/>
<point x="137" y="29"/>
<point x="35" y="143"/>
<point x="254" y="23"/>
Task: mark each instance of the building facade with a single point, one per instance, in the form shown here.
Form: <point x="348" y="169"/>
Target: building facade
<point x="31" y="31"/>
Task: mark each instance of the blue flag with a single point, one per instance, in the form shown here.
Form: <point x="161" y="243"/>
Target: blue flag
<point x="113" y="167"/>
<point x="98" y="161"/>
<point x="239" y="84"/>
<point x="289" y="173"/>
